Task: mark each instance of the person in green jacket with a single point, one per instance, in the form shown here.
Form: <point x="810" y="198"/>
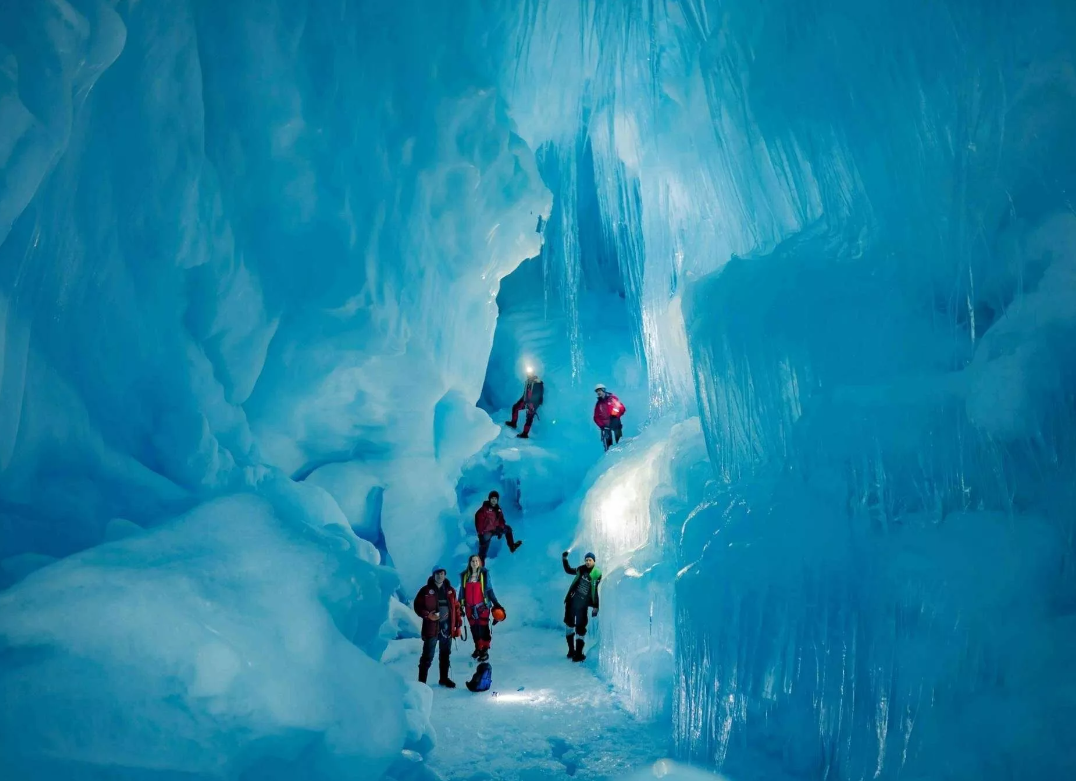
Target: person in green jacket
<point x="581" y="596"/>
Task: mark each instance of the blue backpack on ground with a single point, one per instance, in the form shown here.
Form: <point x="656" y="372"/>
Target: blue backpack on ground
<point x="482" y="678"/>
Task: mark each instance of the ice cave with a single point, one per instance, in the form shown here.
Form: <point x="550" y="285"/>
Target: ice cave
<point x="781" y="292"/>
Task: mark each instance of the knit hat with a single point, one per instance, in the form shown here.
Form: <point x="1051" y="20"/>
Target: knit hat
<point x="439" y="568"/>
<point x="494" y="493"/>
<point x="590" y="556"/>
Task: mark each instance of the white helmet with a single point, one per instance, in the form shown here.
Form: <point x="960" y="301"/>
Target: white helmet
<point x="599" y="387"/>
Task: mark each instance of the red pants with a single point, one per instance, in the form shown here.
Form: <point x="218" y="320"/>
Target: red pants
<point x="481" y="634"/>
<point x="519" y="407"/>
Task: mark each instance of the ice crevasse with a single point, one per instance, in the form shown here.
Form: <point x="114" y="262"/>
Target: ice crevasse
<point x="250" y="256"/>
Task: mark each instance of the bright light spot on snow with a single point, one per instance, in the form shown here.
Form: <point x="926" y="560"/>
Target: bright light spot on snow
<point x="513" y="698"/>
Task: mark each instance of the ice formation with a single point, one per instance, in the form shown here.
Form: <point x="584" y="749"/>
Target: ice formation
<point x="269" y="275"/>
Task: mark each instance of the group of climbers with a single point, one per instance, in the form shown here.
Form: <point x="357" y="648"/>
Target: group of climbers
<point x="443" y="608"/>
<point x="608" y="410"/>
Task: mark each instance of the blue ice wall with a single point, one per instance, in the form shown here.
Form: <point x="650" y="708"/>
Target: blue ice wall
<point x="234" y="255"/>
<point x="887" y="391"/>
<point x="249" y="248"/>
<point x="853" y="231"/>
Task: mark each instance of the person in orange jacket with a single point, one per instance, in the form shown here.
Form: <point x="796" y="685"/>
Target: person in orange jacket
<point x="440" y="612"/>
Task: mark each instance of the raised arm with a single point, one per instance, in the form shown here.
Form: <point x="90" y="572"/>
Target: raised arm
<point x="564" y="562"/>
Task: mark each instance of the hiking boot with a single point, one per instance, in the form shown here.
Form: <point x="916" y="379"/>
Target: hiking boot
<point x="579" y="656"/>
<point x="514" y="547"/>
<point x="484" y="656"/>
<point x="571" y="647"/>
<point x="523" y="436"/>
<point x="475" y="653"/>
<point x="510" y="424"/>
<point x="445" y="680"/>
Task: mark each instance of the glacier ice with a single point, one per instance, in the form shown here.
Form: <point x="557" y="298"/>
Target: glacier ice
<point x="231" y="641"/>
<point x="258" y="263"/>
<point x="847" y="227"/>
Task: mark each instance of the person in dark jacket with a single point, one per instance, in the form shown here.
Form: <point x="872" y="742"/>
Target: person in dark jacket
<point x="436" y="604"/>
<point x="608" y="411"/>
<point x="582" y="595"/>
<point x="489" y="523"/>
<point x="531" y="400"/>
<point x="478" y="601"/>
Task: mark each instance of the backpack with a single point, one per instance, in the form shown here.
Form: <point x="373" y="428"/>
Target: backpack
<point x="482" y="678"/>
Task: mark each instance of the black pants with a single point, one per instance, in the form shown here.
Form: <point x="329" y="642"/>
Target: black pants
<point x="485" y="539"/>
<point x="575" y="619"/>
<point x="429" y="645"/>
<point x="614" y="430"/>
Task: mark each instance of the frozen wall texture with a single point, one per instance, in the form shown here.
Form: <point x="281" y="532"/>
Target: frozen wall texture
<point x="241" y="243"/>
<point x="849" y="227"/>
<point x="266" y="241"/>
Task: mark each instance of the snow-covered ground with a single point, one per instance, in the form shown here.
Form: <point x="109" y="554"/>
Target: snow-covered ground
<point x="544" y="718"/>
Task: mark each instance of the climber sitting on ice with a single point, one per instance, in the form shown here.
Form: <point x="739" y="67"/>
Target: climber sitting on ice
<point x="479" y="604"/>
<point x="608" y="411"/>
<point x="582" y="594"/>
<point x="489" y="523"/>
<point x="531" y="400"/>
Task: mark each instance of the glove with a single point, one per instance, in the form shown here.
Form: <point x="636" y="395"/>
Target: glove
<point x="594" y="613"/>
<point x="564" y="555"/>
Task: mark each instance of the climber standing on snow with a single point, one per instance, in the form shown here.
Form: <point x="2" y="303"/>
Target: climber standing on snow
<point x="582" y="594"/>
<point x="479" y="605"/>
<point x="608" y="411"/>
<point x="436" y="604"/>
<point x="489" y="523"/>
<point x="531" y="400"/>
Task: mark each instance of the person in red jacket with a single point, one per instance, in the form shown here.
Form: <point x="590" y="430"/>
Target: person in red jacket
<point x="478" y="602"/>
<point x="437" y="605"/>
<point x="489" y="523"/>
<point x="531" y="400"/>
<point x="608" y="411"/>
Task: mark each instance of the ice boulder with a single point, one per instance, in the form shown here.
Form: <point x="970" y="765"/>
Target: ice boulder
<point x="217" y="645"/>
<point x="357" y="490"/>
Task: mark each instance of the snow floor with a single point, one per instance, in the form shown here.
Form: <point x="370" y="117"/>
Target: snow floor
<point x="544" y="718"/>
